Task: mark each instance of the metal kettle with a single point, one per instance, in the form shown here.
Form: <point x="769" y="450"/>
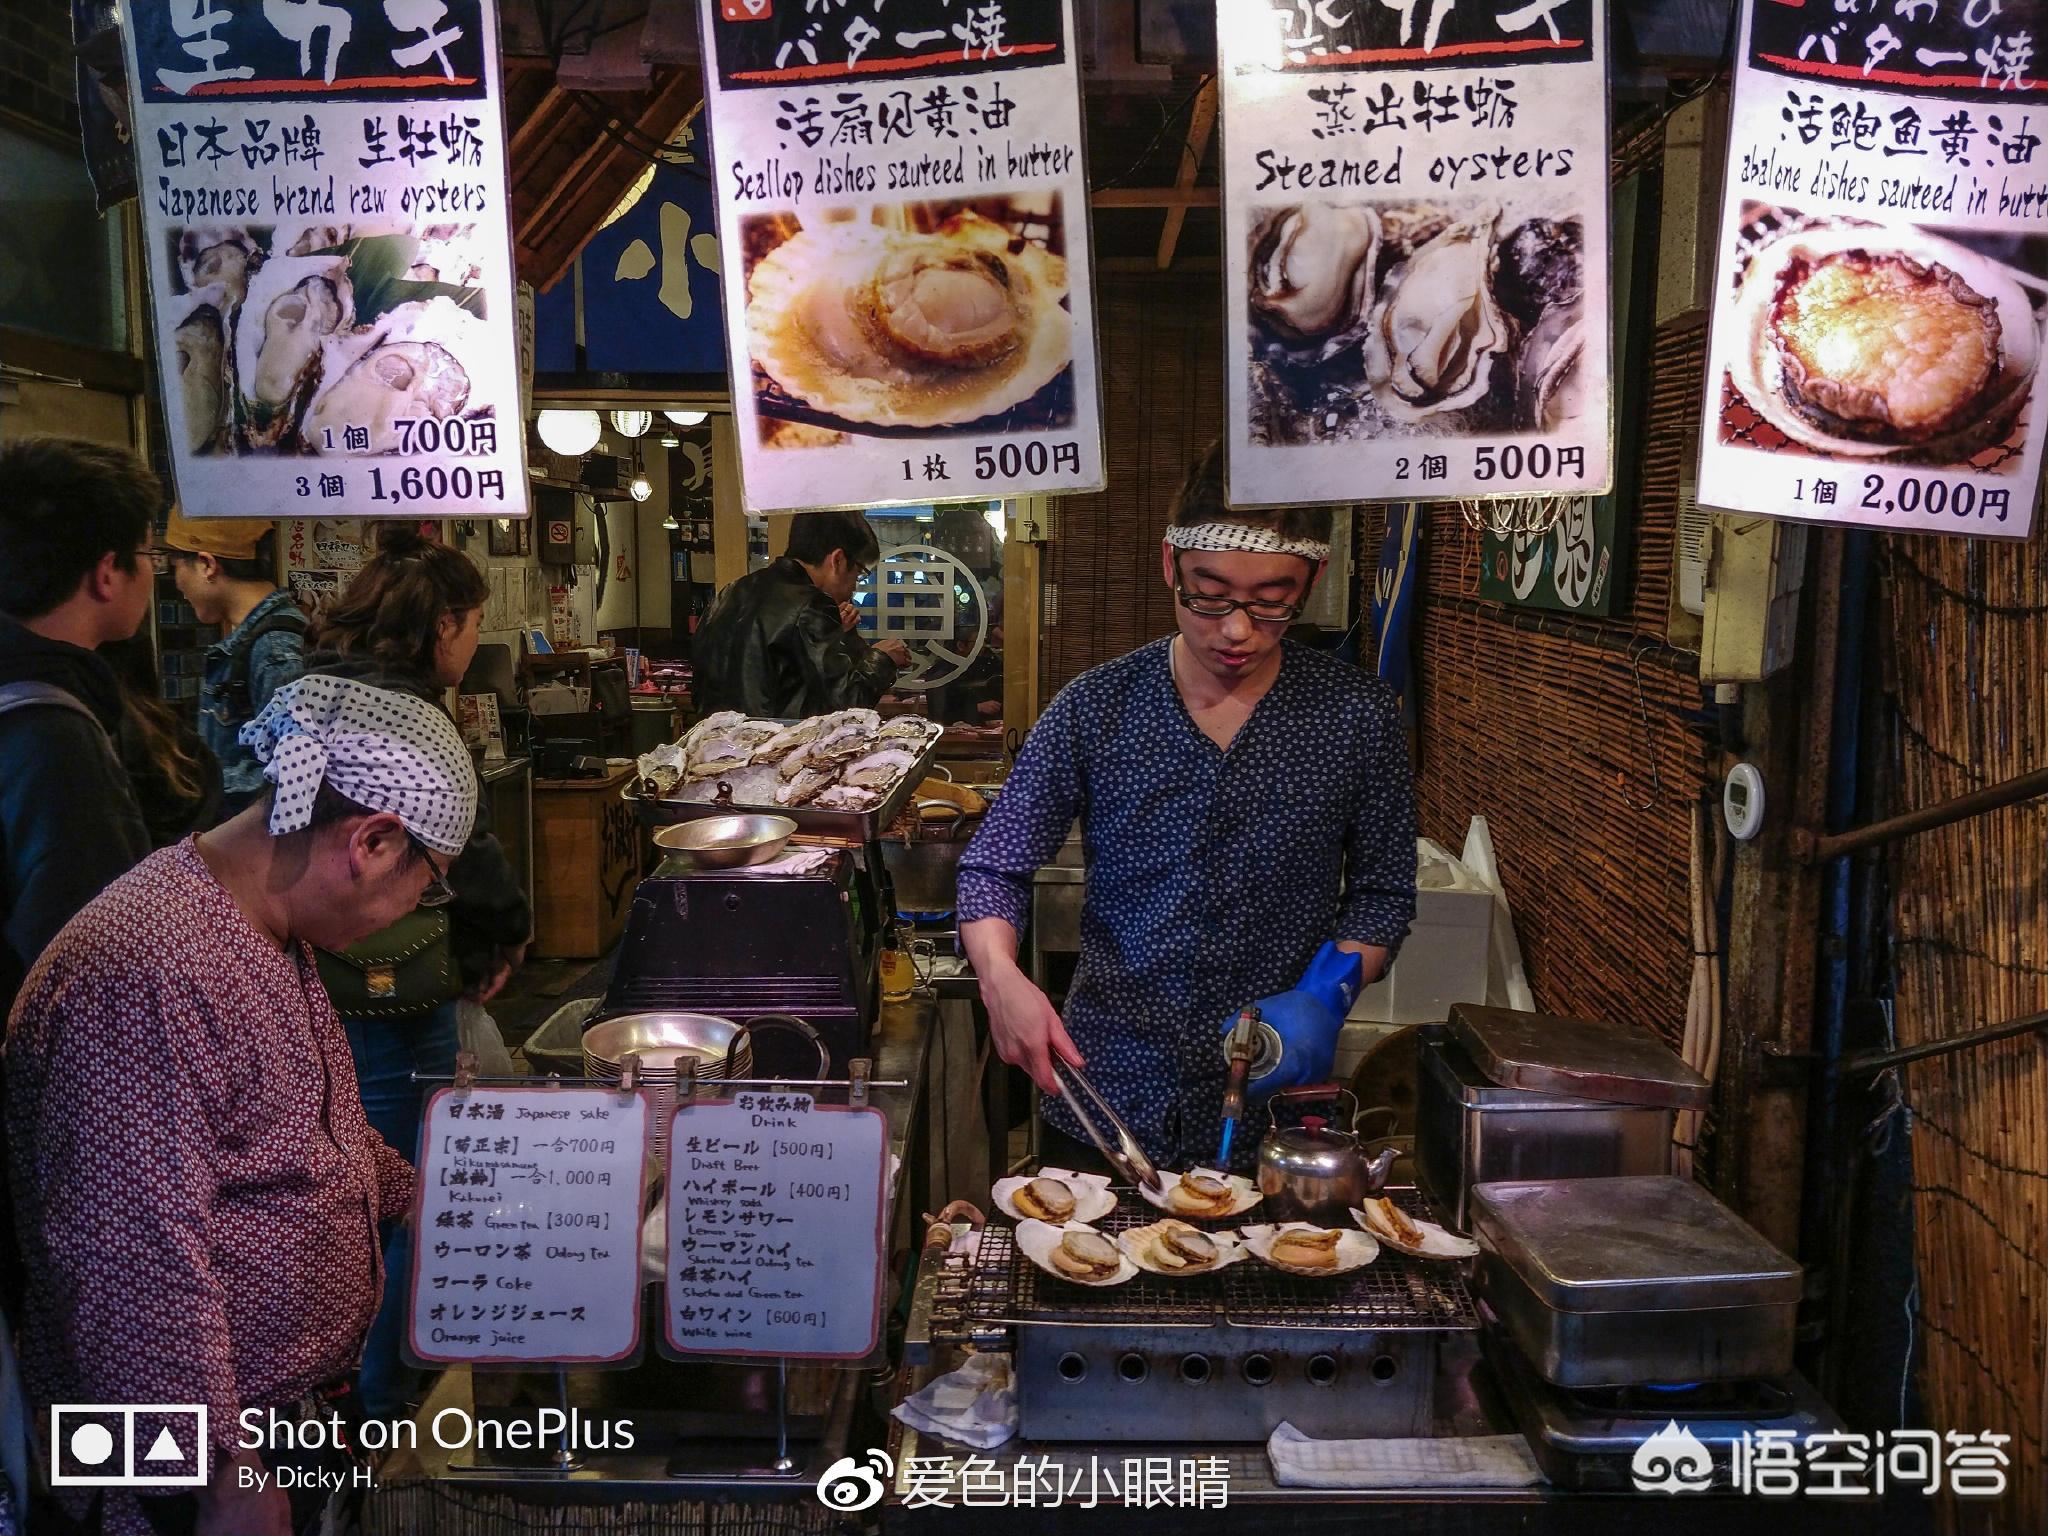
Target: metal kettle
<point x="1315" y="1172"/>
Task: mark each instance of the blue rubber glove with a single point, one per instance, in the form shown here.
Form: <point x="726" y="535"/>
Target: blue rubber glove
<point x="1307" y="1020"/>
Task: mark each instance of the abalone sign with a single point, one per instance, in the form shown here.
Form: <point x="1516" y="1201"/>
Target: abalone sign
<point x="1415" y="250"/>
<point x="329" y="256"/>
<point x="903" y="216"/>
<point x="1880" y="306"/>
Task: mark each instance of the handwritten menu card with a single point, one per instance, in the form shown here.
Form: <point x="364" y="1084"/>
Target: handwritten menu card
<point x="775" y="1228"/>
<point x="528" y="1246"/>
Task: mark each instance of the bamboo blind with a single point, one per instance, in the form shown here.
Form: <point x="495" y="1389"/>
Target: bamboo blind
<point x="1584" y="743"/>
<point x="1162" y="394"/>
<point x="1970" y="935"/>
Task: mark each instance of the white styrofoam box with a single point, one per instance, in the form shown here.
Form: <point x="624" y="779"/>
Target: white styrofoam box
<point x="1442" y="961"/>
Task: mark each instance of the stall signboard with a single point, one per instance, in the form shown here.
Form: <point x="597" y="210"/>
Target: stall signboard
<point x="1415" y="249"/>
<point x="903" y="219"/>
<point x="1881" y="288"/>
<point x="775" y="1228"/>
<point x="329" y="256"/>
<point x="528" y="1241"/>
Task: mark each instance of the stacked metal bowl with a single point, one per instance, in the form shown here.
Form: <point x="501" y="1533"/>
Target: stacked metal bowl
<point x="663" y="1042"/>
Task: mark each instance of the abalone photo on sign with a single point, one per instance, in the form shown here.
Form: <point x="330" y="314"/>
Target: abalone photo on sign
<point x="1859" y="341"/>
<point x="911" y="318"/>
<point x="1414" y="320"/>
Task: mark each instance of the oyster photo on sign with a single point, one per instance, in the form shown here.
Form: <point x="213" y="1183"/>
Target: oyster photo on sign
<point x="886" y="326"/>
<point x="1436" y="330"/>
<point x="201" y="342"/>
<point x="408" y="366"/>
<point x="294" y="305"/>
<point x="1883" y="343"/>
<point x="1312" y="273"/>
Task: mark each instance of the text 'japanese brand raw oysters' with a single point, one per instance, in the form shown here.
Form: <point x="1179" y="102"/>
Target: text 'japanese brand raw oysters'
<point x="1436" y="329"/>
<point x="910" y="328"/>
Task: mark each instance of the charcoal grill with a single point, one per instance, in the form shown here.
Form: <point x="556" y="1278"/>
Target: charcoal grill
<point x="1217" y="1358"/>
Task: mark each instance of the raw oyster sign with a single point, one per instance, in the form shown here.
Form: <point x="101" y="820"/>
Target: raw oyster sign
<point x="330" y="272"/>
<point x="1880" y="305"/>
<point x="1415" y="244"/>
<point x="903" y="214"/>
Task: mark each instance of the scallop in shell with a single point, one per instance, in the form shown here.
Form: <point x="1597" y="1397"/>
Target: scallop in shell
<point x="410" y="366"/>
<point x="1436" y="329"/>
<point x="1312" y="269"/>
<point x="295" y="305"/>
<point x="912" y="329"/>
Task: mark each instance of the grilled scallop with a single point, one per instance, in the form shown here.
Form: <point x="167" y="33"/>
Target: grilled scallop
<point x="1307" y="1250"/>
<point x="1086" y="1256"/>
<point x="1047" y="1199"/>
<point x="1201" y="1194"/>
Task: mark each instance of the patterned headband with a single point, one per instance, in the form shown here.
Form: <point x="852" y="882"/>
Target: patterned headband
<point x="384" y="750"/>
<point x="1244" y="538"/>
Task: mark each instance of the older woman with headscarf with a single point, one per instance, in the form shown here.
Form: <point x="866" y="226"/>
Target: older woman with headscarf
<point x="197" y="1191"/>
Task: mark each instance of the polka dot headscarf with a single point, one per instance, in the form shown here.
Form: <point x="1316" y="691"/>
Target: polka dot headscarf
<point x="1243" y="538"/>
<point x="385" y="751"/>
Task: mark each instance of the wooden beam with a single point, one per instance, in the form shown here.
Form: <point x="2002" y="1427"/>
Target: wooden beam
<point x="1156" y="197"/>
<point x="1201" y="129"/>
<point x="543" y="123"/>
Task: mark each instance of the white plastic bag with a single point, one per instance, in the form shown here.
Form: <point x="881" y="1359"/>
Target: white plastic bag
<point x="477" y="1031"/>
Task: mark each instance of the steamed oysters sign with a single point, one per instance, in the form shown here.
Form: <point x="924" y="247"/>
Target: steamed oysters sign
<point x="1415" y="242"/>
<point x="904" y="219"/>
<point x="1880" y="308"/>
<point x="323" y="190"/>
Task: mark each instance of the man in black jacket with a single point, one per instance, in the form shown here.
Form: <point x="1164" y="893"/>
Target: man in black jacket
<point x="76" y="572"/>
<point x="780" y="642"/>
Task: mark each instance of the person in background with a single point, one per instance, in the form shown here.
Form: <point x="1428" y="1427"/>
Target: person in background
<point x="175" y="777"/>
<point x="408" y="623"/>
<point x="199" y="1187"/>
<point x="76" y="571"/>
<point x="226" y="569"/>
<point x="1249" y="819"/>
<point x="780" y="643"/>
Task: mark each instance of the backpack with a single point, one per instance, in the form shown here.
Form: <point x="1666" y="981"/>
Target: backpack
<point x="29" y="695"/>
<point x="237" y="685"/>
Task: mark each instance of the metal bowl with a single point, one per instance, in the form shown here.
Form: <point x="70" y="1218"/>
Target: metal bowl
<point x="728" y="842"/>
<point x="660" y="1040"/>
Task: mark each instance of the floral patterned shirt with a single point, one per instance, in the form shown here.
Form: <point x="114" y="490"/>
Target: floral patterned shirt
<point x="196" y="1189"/>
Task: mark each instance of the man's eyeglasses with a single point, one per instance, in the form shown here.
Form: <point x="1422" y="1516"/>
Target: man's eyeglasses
<point x="438" y="892"/>
<point x="1262" y="611"/>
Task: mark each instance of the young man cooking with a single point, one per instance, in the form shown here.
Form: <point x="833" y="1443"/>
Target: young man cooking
<point x="197" y="1193"/>
<point x="226" y="569"/>
<point x="1243" y="800"/>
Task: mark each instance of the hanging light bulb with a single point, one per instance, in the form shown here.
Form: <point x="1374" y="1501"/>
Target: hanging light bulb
<point x="569" y="433"/>
<point x="641" y="488"/>
<point x="670" y="523"/>
<point x="669" y="440"/>
<point x="632" y="423"/>
<point x="688" y="418"/>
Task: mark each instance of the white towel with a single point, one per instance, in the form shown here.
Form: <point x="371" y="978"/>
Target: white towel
<point x="1479" y="1461"/>
<point x="975" y="1405"/>
<point x="798" y="861"/>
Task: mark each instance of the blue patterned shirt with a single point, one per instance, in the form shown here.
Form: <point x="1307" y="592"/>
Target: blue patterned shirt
<point x="1213" y="876"/>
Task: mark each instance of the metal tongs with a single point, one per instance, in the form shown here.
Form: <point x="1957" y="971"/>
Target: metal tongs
<point x="1126" y="1156"/>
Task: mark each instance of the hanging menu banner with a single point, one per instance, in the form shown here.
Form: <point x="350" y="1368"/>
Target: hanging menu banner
<point x="330" y="267"/>
<point x="1883" y="271"/>
<point x="775" y="1237"/>
<point x="903" y="217"/>
<point x="528" y="1245"/>
<point x="1415" y="249"/>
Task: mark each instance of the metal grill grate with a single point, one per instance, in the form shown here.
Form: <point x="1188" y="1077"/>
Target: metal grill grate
<point x="1000" y="1287"/>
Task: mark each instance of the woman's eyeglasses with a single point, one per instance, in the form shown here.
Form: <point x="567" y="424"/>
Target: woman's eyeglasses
<point x="438" y="892"/>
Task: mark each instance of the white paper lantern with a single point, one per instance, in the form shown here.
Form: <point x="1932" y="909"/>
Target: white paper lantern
<point x="632" y="423"/>
<point x="688" y="418"/>
<point x="570" y="433"/>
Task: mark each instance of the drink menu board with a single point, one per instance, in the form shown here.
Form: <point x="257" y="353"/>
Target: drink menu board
<point x="775" y="1240"/>
<point x="1881" y="300"/>
<point x="528" y="1247"/>
<point x="1415" y="249"/>
<point x="903" y="215"/>
<point x="329" y="255"/>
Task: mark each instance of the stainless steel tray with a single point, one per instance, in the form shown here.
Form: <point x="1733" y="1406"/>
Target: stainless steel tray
<point x="843" y="826"/>
<point x="1577" y="1058"/>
